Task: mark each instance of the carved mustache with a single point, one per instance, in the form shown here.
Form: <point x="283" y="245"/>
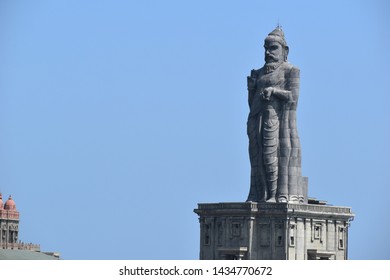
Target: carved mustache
<point x="270" y="56"/>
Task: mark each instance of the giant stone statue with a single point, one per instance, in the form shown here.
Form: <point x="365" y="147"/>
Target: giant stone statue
<point x="274" y="148"/>
<point x="278" y="221"/>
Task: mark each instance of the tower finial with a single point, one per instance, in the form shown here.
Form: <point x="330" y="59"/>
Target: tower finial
<point x="279" y="26"/>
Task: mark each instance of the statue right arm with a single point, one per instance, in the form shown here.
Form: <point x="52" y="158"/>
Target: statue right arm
<point x="251" y="80"/>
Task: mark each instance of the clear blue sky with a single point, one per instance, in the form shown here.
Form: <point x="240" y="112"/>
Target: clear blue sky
<point x="118" y="117"/>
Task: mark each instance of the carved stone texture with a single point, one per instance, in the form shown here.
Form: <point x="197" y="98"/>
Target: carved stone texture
<point x="274" y="148"/>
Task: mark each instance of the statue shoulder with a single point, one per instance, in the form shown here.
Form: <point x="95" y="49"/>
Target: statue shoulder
<point x="292" y="71"/>
<point x="255" y="73"/>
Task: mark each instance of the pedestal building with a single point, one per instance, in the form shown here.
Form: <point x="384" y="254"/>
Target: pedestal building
<point x="273" y="231"/>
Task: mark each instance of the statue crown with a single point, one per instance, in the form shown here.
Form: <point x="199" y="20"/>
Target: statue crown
<point x="277" y="34"/>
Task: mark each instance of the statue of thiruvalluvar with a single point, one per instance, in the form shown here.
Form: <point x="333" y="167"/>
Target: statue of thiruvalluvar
<point x="274" y="148"/>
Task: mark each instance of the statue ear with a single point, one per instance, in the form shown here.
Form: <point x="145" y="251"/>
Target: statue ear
<point x="286" y="49"/>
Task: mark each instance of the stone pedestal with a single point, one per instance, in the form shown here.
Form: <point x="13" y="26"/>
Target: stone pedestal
<point x="273" y="231"/>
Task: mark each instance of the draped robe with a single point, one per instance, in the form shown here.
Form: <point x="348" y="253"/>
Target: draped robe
<point x="274" y="148"/>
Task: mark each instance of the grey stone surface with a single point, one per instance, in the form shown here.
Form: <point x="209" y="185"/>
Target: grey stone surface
<point x="274" y="147"/>
<point x="273" y="231"/>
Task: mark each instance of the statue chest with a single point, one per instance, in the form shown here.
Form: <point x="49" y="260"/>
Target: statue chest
<point x="272" y="79"/>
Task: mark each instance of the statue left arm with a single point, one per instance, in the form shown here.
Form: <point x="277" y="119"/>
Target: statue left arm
<point x="282" y="94"/>
<point x="285" y="95"/>
<point x="293" y="86"/>
<point x="291" y="93"/>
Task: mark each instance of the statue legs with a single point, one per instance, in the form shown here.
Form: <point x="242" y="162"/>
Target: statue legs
<point x="258" y="188"/>
<point x="270" y="152"/>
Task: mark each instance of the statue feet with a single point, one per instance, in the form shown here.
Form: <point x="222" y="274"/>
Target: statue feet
<point x="282" y="199"/>
<point x="294" y="199"/>
<point x="271" y="199"/>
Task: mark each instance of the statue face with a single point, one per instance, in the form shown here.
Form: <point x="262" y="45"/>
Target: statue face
<point x="274" y="51"/>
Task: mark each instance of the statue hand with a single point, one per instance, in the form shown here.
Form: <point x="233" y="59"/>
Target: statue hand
<point x="267" y="93"/>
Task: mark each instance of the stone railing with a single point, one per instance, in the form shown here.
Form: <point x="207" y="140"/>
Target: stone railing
<point x="284" y="207"/>
<point x="320" y="208"/>
<point x="228" y="205"/>
<point x="20" y="246"/>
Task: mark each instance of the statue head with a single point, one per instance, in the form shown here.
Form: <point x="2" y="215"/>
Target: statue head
<point x="276" y="49"/>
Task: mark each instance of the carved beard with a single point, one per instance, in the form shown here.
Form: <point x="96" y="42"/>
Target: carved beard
<point x="271" y="66"/>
